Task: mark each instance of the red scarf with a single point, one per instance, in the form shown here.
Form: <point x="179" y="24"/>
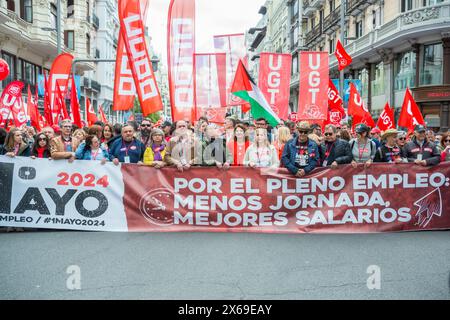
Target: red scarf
<point x="40" y="152"/>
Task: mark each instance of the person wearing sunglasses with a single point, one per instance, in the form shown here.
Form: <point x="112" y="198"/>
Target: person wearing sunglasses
<point x="301" y="154"/>
<point x="145" y="129"/>
<point x="401" y="139"/>
<point x="40" y="147"/>
<point x="445" y="143"/>
<point x="334" y="151"/>
<point x="420" y="150"/>
<point x="390" y="151"/>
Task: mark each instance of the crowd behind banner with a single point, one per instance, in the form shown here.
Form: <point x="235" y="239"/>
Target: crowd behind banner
<point x="299" y="147"/>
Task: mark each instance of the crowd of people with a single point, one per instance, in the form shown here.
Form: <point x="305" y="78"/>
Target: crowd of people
<point x="300" y="147"/>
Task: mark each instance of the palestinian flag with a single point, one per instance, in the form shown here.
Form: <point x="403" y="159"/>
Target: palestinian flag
<point x="245" y="88"/>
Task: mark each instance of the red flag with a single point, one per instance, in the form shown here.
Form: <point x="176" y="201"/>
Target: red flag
<point x="274" y="81"/>
<point x="33" y="112"/>
<point x="342" y="56"/>
<point x="336" y="111"/>
<point x="11" y="104"/>
<point x="358" y="110"/>
<point x="180" y="55"/>
<point x="75" y="105"/>
<point x="102" y="115"/>
<point x="313" y="91"/>
<point x="62" y="103"/>
<point x="91" y="117"/>
<point x="133" y="33"/>
<point x="124" y="88"/>
<point x="410" y="115"/>
<point x="386" y="120"/>
<point x="47" y="107"/>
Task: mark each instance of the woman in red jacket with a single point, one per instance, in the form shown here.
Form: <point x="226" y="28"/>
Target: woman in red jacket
<point x="238" y="145"/>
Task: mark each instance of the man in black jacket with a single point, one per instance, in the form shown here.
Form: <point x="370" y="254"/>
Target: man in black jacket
<point x="420" y="150"/>
<point x="334" y="151"/>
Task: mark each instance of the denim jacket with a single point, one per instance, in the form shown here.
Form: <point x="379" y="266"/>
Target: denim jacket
<point x="290" y="152"/>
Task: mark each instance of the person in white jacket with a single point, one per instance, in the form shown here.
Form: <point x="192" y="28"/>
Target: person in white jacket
<point x="261" y="154"/>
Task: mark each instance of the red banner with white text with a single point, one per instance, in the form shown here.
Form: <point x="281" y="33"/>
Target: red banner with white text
<point x="133" y="32"/>
<point x="180" y="56"/>
<point x="124" y="87"/>
<point x="209" y="69"/>
<point x="274" y="81"/>
<point x="86" y="195"/>
<point x="11" y="105"/>
<point x="313" y="92"/>
<point x="59" y="76"/>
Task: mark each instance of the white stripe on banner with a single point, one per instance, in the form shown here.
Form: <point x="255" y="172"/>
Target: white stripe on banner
<point x="83" y="195"/>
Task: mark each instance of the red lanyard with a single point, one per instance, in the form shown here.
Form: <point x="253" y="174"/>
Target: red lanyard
<point x="327" y="153"/>
<point x="127" y="148"/>
<point x="94" y="155"/>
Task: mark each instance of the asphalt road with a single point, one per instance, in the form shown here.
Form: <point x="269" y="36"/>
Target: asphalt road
<point x="34" y="265"/>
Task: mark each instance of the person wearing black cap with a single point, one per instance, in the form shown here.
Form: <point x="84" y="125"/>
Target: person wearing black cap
<point x="363" y="148"/>
<point x="421" y="151"/>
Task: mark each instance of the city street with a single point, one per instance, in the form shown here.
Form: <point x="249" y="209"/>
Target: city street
<point x="224" y="266"/>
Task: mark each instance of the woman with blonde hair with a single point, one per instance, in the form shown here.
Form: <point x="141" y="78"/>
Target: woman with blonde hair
<point x="261" y="154"/>
<point x="283" y="136"/>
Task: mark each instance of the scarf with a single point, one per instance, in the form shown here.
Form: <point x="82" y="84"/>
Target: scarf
<point x="157" y="152"/>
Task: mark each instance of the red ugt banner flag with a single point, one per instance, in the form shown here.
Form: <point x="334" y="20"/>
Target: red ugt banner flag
<point x="180" y="55"/>
<point x="314" y="80"/>
<point x="343" y="58"/>
<point x="132" y="30"/>
<point x="386" y="120"/>
<point x="11" y="104"/>
<point x="59" y="77"/>
<point x="274" y="81"/>
<point x="124" y="88"/>
<point x="410" y="115"/>
<point x="91" y="117"/>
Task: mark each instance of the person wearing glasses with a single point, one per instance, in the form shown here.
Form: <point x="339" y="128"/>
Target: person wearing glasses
<point x="301" y="155"/>
<point x="420" y="150"/>
<point x="41" y="147"/>
<point x="401" y="139"/>
<point x="64" y="146"/>
<point x="128" y="149"/>
<point x="390" y="151"/>
<point x="445" y="143"/>
<point x="334" y="151"/>
<point x="363" y="148"/>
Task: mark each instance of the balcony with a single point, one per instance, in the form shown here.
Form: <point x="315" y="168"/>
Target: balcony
<point x="95" y="21"/>
<point x="311" y="6"/>
<point x="331" y="22"/>
<point x="313" y="35"/>
<point x="355" y="7"/>
<point x="96" y="86"/>
<point x="432" y="19"/>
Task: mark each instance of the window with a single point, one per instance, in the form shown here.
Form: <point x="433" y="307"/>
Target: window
<point x="331" y="45"/>
<point x="88" y="12"/>
<point x="53" y="16"/>
<point x="406" y="5"/>
<point x="70" y="8"/>
<point x="11" y="61"/>
<point x="69" y="39"/>
<point x="431" y="2"/>
<point x="26" y="10"/>
<point x="376" y="18"/>
<point x="295" y="64"/>
<point x="29" y="72"/>
<point x="405" y="71"/>
<point x="431" y="73"/>
<point x="378" y="80"/>
<point x="359" y="29"/>
<point x="88" y="44"/>
<point x="332" y="5"/>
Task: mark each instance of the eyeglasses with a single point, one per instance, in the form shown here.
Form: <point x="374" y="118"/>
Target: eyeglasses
<point x="260" y="124"/>
<point x="446" y="141"/>
<point x="146" y="125"/>
<point x="42" y="139"/>
<point x="67" y="127"/>
<point x="303" y="132"/>
<point x="328" y="134"/>
<point x="401" y="138"/>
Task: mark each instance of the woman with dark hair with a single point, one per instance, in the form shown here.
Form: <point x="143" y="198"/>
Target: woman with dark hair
<point x="96" y="130"/>
<point x="92" y="150"/>
<point x="238" y="145"/>
<point x="108" y="134"/>
<point x="40" y="147"/>
<point x="3" y="134"/>
<point x="14" y="144"/>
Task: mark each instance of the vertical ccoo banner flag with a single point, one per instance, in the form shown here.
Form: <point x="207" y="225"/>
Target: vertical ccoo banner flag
<point x="180" y="56"/>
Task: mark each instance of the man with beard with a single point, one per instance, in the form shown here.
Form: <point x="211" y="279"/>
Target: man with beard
<point x="145" y="129"/>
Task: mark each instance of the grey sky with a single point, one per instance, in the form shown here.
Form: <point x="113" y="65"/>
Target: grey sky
<point x="213" y="17"/>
